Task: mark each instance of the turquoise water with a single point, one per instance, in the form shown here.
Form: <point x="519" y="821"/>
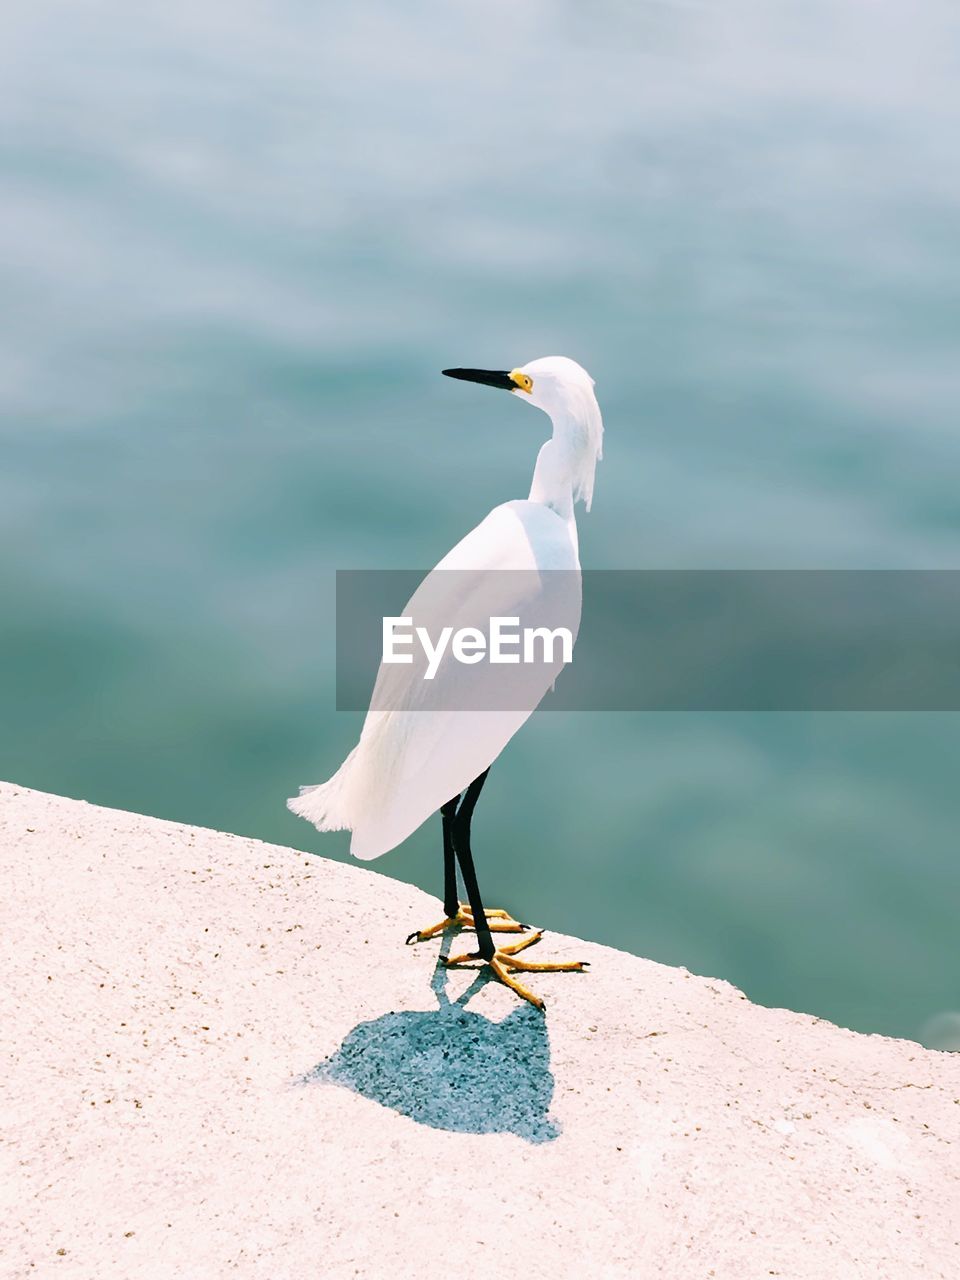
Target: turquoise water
<point x="237" y="244"/>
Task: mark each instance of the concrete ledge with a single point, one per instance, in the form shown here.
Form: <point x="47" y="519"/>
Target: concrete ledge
<point x="220" y="1059"/>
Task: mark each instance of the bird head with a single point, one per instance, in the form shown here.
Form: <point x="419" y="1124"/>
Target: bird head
<point x="551" y="383"/>
<point x="564" y="391"/>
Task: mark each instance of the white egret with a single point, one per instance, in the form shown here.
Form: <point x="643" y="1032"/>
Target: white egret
<point x="412" y="758"/>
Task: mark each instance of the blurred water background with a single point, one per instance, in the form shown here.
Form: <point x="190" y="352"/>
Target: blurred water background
<point x="237" y="244"/>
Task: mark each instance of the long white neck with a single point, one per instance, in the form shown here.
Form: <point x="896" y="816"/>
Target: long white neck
<point x="566" y="463"/>
<point x="552" y="483"/>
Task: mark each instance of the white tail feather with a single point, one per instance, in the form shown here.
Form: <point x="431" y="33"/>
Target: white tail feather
<point x="326" y="804"/>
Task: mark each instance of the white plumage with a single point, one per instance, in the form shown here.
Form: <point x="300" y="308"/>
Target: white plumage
<point x="423" y="744"/>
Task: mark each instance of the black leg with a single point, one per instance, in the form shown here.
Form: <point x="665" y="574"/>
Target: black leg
<point x="461" y="844"/>
<point x="451" y="899"/>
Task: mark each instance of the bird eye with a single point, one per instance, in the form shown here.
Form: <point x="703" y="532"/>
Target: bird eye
<point x="523" y="380"/>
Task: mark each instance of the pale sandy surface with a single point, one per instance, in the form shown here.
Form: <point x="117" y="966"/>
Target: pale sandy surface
<point x="169" y="994"/>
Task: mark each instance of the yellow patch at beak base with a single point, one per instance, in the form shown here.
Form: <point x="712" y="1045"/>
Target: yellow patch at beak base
<point x="523" y="380"/>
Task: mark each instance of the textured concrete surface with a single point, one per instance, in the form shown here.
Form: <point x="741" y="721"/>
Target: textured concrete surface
<point x="219" y="1059"/>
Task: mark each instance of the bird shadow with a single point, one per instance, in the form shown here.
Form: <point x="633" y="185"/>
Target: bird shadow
<point x="449" y="1068"/>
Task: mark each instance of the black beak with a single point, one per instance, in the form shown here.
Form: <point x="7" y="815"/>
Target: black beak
<point x="488" y="377"/>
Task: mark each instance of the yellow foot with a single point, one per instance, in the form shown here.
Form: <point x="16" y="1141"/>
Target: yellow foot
<point x="497" y="922"/>
<point x="505" y="959"/>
